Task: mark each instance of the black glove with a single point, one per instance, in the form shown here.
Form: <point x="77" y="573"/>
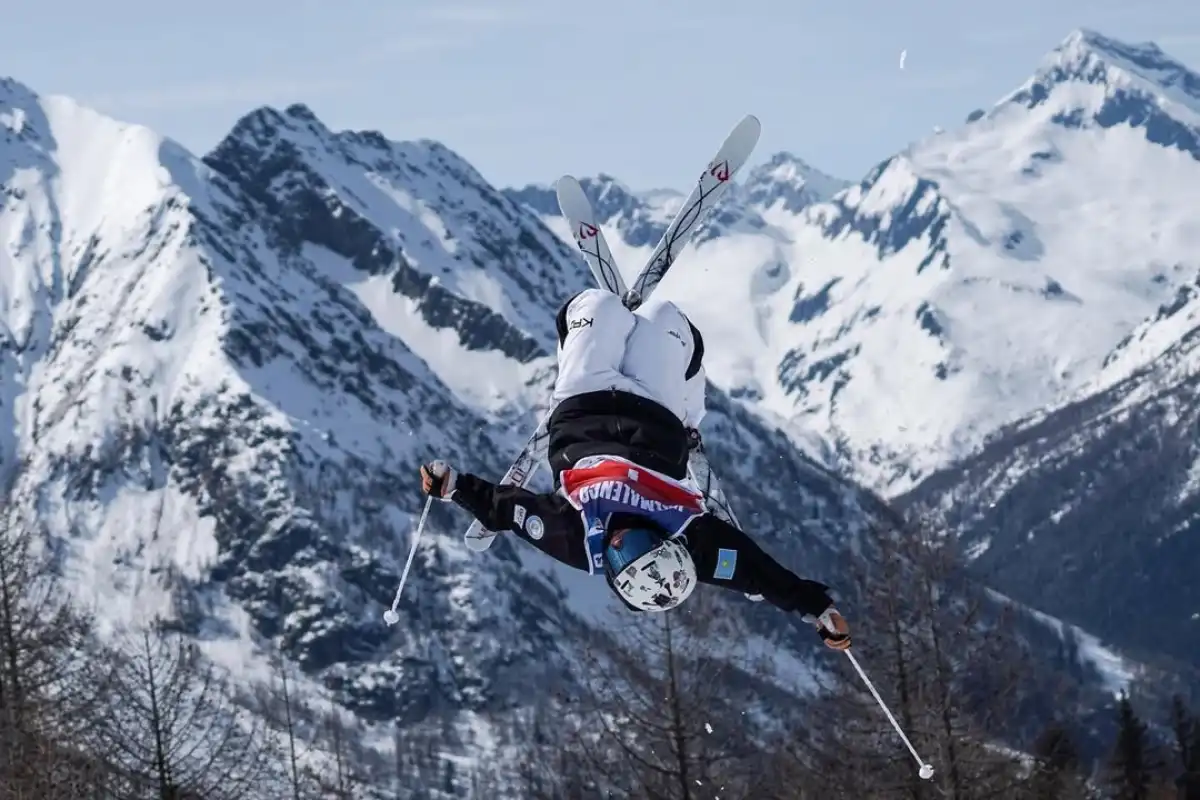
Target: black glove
<point x="834" y="630"/>
<point x="437" y="479"/>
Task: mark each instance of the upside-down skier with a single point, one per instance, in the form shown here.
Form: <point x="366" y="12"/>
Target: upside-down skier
<point x="629" y="395"/>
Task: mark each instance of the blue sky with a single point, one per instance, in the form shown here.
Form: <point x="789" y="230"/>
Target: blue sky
<point x="529" y="89"/>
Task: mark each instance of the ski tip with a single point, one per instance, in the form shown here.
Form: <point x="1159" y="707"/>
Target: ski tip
<point x="477" y="539"/>
<point x="478" y="544"/>
<point x="572" y="201"/>
<point x="749" y="126"/>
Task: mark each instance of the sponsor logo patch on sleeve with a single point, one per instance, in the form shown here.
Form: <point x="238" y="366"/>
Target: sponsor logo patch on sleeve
<point x="535" y="528"/>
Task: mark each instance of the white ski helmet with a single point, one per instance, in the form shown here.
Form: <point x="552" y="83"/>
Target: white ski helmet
<point x="647" y="570"/>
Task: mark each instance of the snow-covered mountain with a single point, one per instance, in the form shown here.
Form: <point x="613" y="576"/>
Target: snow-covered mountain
<point x="786" y="183"/>
<point x="639" y="217"/>
<point x="974" y="278"/>
<point x="1021" y="292"/>
<point x="218" y="420"/>
<point x="1092" y="512"/>
<point x="222" y="373"/>
<point x="1086" y="506"/>
<point x="992" y="270"/>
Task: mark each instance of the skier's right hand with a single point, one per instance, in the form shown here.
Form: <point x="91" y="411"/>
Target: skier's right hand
<point x="437" y="479"/>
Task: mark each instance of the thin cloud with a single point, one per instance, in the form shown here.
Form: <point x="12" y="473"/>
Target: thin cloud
<point x="470" y="15"/>
<point x="400" y="48"/>
<point x="217" y="94"/>
<point x="1001" y="36"/>
<point x="513" y="120"/>
<point x="270" y="89"/>
<point x="1178" y="40"/>
<point x="484" y="15"/>
<point x="937" y="80"/>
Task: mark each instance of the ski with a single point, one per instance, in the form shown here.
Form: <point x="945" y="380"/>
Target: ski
<point x="710" y="187"/>
<point x="702" y="475"/>
<point x="520" y="473"/>
<point x="706" y="481"/>
<point x="578" y="212"/>
<point x="585" y="228"/>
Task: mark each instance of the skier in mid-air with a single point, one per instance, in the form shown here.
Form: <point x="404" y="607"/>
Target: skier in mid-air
<point x="629" y="398"/>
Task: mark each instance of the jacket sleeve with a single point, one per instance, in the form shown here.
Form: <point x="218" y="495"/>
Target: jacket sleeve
<point x="725" y="556"/>
<point x="546" y="521"/>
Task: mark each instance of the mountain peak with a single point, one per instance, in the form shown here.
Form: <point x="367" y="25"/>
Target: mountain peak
<point x="1064" y="209"/>
<point x="784" y="159"/>
<point x="1082" y="42"/>
<point x="301" y="112"/>
<point x="10" y="87"/>
<point x="789" y="179"/>
<point x="605" y="185"/>
<point x="1092" y="81"/>
<point x="785" y="166"/>
<point x="297" y="121"/>
<point x="1144" y="59"/>
<point x="16" y="101"/>
<point x="298" y="127"/>
<point x="1124" y="70"/>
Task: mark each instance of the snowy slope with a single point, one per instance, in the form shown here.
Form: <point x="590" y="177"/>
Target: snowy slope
<point x="1087" y="508"/>
<point x="1091" y="511"/>
<point x="970" y="280"/>
<point x="990" y="270"/>
<point x="425" y="234"/>
<point x="204" y="406"/>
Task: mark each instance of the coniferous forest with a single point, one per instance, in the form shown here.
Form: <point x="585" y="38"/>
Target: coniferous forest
<point x="674" y="708"/>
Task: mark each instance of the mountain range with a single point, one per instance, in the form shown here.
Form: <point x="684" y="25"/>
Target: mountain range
<point x="992" y="324"/>
<point x="219" y="374"/>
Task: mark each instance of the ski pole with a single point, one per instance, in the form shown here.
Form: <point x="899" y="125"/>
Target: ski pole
<point x="926" y="771"/>
<point x="391" y="616"/>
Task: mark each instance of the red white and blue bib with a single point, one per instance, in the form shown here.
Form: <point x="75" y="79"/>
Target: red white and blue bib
<point x="600" y="486"/>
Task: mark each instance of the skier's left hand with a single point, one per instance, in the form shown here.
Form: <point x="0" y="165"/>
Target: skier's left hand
<point x="438" y="479"/>
<point x="833" y="629"/>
